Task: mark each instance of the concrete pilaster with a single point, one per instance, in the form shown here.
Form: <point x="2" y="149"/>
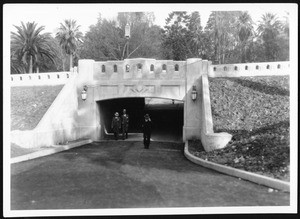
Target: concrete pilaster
<point x="192" y="108"/>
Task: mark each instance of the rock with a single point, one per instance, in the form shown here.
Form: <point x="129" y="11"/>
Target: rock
<point x="270" y="190"/>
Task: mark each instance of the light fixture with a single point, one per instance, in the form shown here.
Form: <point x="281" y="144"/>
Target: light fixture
<point x="194" y="93"/>
<point x="84" y="93"/>
<point x="127" y="31"/>
<point x="173" y="101"/>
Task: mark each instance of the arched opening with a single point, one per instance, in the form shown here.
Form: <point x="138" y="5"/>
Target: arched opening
<point x="115" y="68"/>
<point x="139" y="66"/>
<point x="127" y="68"/>
<point x="166" y="115"/>
<point x="151" y="67"/>
<point x="164" y="67"/>
<point x="176" y="67"/>
<point x="103" y="68"/>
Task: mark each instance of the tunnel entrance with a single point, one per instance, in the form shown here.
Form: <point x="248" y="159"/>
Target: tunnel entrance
<point x="166" y="115"/>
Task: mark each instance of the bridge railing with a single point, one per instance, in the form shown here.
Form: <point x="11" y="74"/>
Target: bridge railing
<point x="250" y="69"/>
<point x="40" y="79"/>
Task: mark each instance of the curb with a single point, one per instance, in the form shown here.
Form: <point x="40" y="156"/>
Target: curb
<point x="253" y="177"/>
<point x="46" y="152"/>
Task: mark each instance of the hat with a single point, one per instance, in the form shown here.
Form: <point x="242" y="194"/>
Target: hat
<point x="147" y="116"/>
<point x="116" y="114"/>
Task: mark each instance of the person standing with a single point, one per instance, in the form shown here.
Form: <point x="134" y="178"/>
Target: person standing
<point x="147" y="128"/>
<point x="116" y="125"/>
<point x="125" y="124"/>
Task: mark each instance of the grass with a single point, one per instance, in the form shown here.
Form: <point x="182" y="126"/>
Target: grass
<point x="255" y="110"/>
<point x="29" y="104"/>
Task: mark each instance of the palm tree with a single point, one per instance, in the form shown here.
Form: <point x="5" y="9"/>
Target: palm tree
<point x="245" y="31"/>
<point x="68" y="36"/>
<point x="268" y="29"/>
<point x="28" y="45"/>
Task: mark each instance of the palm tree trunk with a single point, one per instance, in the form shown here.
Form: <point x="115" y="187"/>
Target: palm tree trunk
<point x="71" y="61"/>
<point x="30" y="65"/>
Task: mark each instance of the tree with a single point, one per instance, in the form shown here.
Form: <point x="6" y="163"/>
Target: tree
<point x="269" y="28"/>
<point x="283" y="40"/>
<point x="142" y="42"/>
<point x="245" y="31"/>
<point x="221" y="33"/>
<point x="195" y="36"/>
<point x="29" y="46"/>
<point x="106" y="39"/>
<point x="175" y="43"/>
<point x="69" y="37"/>
<point x="45" y="64"/>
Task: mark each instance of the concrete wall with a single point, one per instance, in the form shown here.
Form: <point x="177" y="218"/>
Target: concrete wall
<point x="41" y="79"/>
<point x="209" y="139"/>
<point x="58" y="125"/>
<point x="70" y="118"/>
<point x="250" y="69"/>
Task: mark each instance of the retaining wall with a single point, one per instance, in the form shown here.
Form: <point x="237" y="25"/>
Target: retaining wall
<point x="58" y="125"/>
<point x="209" y="139"/>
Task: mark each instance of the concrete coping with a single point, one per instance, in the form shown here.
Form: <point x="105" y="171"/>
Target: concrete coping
<point x="45" y="152"/>
<point x="253" y="177"/>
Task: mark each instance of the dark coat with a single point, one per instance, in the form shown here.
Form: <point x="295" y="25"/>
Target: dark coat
<point x="116" y="124"/>
<point x="147" y="126"/>
<point x="125" y="121"/>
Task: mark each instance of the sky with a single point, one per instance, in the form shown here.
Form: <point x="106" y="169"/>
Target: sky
<point x="51" y="15"/>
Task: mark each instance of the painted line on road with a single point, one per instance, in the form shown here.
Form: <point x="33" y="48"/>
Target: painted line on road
<point x="253" y="177"/>
<point x="46" y="152"/>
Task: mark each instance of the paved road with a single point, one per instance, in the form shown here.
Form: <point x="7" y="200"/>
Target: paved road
<point x="122" y="174"/>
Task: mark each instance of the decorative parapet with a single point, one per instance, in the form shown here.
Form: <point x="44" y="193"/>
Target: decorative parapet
<point x="250" y="69"/>
<point x="41" y="79"/>
<point x="209" y="139"/>
<point x="139" y="68"/>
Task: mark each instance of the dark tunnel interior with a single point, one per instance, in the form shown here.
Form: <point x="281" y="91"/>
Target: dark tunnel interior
<point x="166" y="115"/>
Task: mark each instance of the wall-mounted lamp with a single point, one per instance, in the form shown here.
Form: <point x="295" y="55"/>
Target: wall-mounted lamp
<point x="194" y="93"/>
<point x="83" y="93"/>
